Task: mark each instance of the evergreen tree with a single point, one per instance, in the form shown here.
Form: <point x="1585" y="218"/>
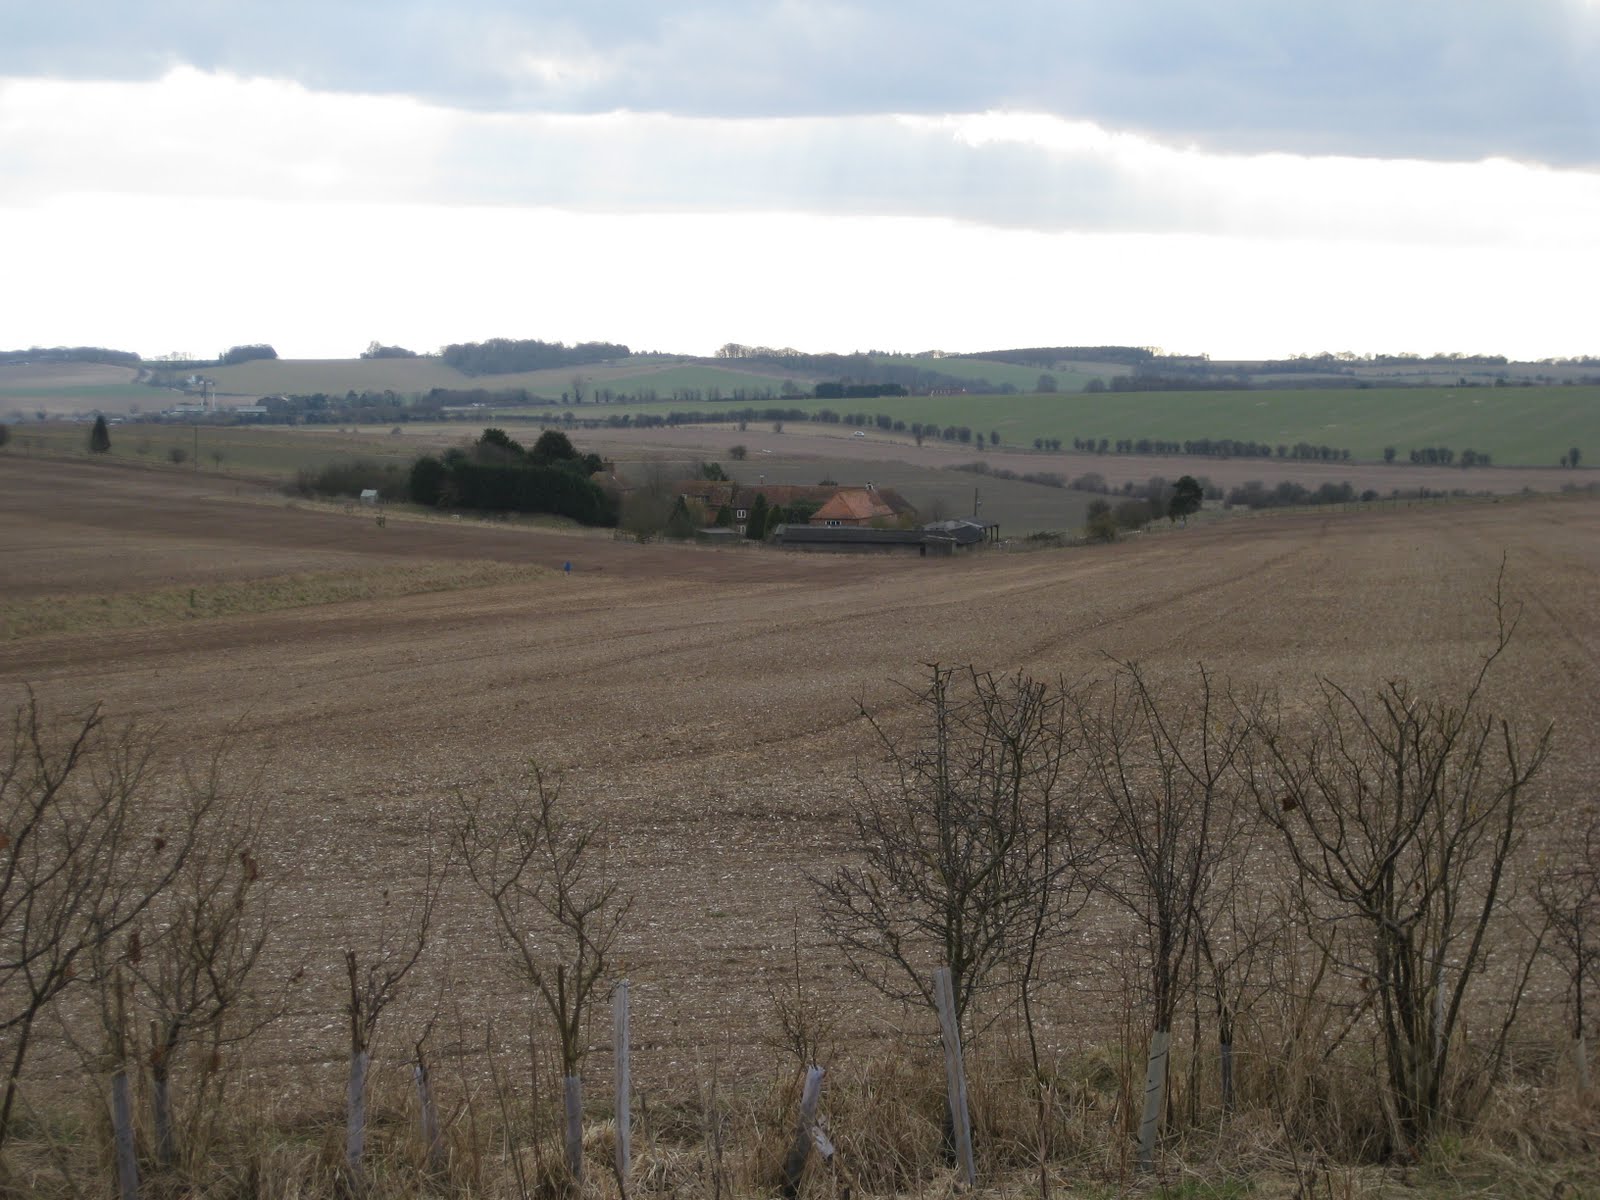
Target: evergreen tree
<point x="756" y="524"/>
<point x="1187" y="496"/>
<point x="100" y="437"/>
<point x="775" y="517"/>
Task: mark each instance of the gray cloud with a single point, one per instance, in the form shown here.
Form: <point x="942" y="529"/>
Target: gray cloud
<point x="1437" y="79"/>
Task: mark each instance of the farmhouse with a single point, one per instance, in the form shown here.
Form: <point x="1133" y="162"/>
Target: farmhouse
<point x="863" y="507"/>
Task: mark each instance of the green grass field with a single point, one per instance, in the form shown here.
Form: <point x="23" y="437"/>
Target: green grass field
<point x="258" y="451"/>
<point x="1517" y="426"/>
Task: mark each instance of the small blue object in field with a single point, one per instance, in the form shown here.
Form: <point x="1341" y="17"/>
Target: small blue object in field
<point x="567" y="567"/>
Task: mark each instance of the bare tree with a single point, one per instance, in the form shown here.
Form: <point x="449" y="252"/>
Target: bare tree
<point x="84" y="849"/>
<point x="1165" y="768"/>
<point x="1567" y="892"/>
<point x="964" y="851"/>
<point x="201" y="942"/>
<point x="1402" y="813"/>
<point x="557" y="910"/>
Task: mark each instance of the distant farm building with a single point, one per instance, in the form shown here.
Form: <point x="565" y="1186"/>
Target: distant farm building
<point x="942" y="539"/>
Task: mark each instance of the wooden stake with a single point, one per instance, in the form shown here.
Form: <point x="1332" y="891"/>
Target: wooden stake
<point x="624" y="1082"/>
<point x="955" y="1075"/>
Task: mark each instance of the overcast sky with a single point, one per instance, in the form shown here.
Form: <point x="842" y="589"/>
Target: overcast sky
<point x="1242" y="177"/>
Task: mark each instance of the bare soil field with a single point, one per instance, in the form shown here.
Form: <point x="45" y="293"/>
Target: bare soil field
<point x="703" y="704"/>
<point x="839" y="444"/>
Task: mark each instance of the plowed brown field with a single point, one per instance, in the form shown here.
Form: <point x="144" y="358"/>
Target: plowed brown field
<point x="703" y="703"/>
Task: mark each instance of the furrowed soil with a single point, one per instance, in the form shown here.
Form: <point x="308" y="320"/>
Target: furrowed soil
<point x="702" y="704"/>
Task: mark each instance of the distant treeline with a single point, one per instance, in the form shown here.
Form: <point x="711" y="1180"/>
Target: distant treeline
<point x="857" y="391"/>
<point x="503" y="356"/>
<point x="778" y="417"/>
<point x="1333" y="362"/>
<point x="80" y="354"/>
<point x="1443" y="456"/>
<point x="1045" y="357"/>
<point x="1209" y="447"/>
<point x="862" y="367"/>
<point x="439" y="397"/>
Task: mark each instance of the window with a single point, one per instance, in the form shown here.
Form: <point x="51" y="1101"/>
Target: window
<point x="741" y="514"/>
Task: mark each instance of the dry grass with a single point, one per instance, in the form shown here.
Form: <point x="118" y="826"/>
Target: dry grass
<point x="883" y="1113"/>
<point x="31" y="617"/>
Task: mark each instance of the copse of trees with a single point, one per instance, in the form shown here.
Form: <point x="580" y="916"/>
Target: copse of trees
<point x="496" y="473"/>
<point x="1256" y="494"/>
<point x="379" y="350"/>
<point x="234" y="355"/>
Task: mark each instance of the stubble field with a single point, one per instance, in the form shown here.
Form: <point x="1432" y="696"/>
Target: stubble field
<point x="703" y="703"/>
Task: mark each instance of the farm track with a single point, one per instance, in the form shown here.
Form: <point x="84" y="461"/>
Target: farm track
<point x="703" y="704"/>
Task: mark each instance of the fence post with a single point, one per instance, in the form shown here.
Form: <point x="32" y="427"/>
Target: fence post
<point x="624" y="1082"/>
<point x="955" y="1075"/>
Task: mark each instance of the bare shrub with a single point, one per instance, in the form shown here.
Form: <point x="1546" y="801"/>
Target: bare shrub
<point x="84" y="850"/>
<point x="197" y="952"/>
<point x="374" y="981"/>
<point x="1402" y="814"/>
<point x="966" y="849"/>
<point x="1567" y="892"/>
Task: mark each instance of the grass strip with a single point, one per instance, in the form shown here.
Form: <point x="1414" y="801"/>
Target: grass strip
<point x="123" y="610"/>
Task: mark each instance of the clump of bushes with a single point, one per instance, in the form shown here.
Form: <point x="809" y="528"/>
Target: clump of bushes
<point x="352" y="476"/>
